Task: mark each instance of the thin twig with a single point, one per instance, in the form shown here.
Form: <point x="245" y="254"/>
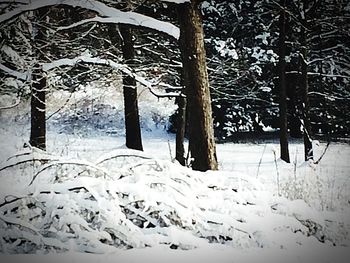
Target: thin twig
<point x="64" y="105"/>
<point x="295" y="164"/>
<point x="323" y="153"/>
<point x="257" y="172"/>
<point x="278" y="174"/>
<point x="171" y="156"/>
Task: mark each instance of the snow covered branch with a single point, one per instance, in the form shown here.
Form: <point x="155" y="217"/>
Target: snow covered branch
<point x="176" y="1"/>
<point x="19" y="75"/>
<point x="321" y="74"/>
<point x="107" y="62"/>
<point x="110" y="14"/>
<point x="14" y="104"/>
<point x="143" y="21"/>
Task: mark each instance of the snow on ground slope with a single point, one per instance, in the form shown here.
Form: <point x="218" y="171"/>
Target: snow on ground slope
<point x="88" y="193"/>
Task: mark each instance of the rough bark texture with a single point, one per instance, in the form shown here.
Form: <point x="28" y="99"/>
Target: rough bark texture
<point x="201" y="132"/>
<point x="180" y="132"/>
<point x="132" y="119"/>
<point x="38" y="93"/>
<point x="305" y="95"/>
<point x="282" y="86"/>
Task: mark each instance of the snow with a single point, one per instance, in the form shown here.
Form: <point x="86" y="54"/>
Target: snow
<point x="91" y="194"/>
<point x="264" y="37"/>
<point x="225" y="48"/>
<point x="161" y="254"/>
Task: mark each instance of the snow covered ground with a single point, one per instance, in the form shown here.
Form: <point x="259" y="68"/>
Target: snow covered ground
<point x="89" y="193"/>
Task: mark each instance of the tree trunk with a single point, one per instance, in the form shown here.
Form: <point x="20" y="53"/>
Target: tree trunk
<point x="201" y="131"/>
<point x="180" y="131"/>
<point x="308" y="152"/>
<point x="294" y="123"/>
<point x="38" y="92"/>
<point x="131" y="111"/>
<point x="282" y="86"/>
<point x="38" y="109"/>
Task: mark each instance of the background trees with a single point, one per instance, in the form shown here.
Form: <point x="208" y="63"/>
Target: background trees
<point x="243" y="50"/>
<point x="241" y="61"/>
<point x="242" y="46"/>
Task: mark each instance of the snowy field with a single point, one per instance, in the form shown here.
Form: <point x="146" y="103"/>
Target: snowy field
<point x="89" y="199"/>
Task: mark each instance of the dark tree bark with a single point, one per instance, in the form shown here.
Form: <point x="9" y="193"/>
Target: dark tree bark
<point x="38" y="109"/>
<point x="180" y="131"/>
<point x="282" y="85"/>
<point x="308" y="152"/>
<point x="131" y="110"/>
<point x="201" y="131"/>
<point x="132" y="119"/>
<point x="38" y="91"/>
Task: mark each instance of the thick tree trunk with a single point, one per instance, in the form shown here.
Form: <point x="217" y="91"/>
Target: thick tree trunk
<point x="308" y="152"/>
<point x="38" y="91"/>
<point x="282" y="86"/>
<point x="201" y="131"/>
<point x="180" y="131"/>
<point x="38" y="109"/>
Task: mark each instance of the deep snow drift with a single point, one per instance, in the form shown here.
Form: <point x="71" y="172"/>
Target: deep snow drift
<point x="88" y="193"/>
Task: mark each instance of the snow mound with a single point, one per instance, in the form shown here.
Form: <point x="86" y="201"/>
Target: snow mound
<point x="128" y="199"/>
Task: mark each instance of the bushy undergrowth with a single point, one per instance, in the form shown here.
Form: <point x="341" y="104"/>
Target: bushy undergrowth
<point x="127" y="199"/>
